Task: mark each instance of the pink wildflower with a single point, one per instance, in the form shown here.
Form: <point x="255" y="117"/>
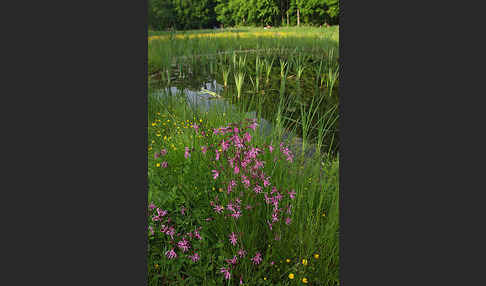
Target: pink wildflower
<point x="241" y="253"/>
<point x="224" y="145"/>
<point x="171" y="254"/>
<point x="257" y="259"/>
<point x="186" y="153"/>
<point x="236" y="214"/>
<point x="183" y="211"/>
<point x="274" y="217"/>
<point x="257" y="189"/>
<point x="171" y="232"/>
<point x="204" y="149"/>
<point x="218" y="209"/>
<point x="292" y="194"/>
<point x="227" y="274"/>
<point x="237" y="141"/>
<point x="215" y="174"/>
<point x="270" y="148"/>
<point x="253" y="126"/>
<point x="266" y="182"/>
<point x="151" y="206"/>
<point x="194" y="257"/>
<point x="233" y="238"/>
<point x="151" y="230"/>
<point x="217" y="155"/>
<point x="197" y="235"/>
<point x="245" y="181"/>
<point x="161" y="212"/>
<point x="156" y="155"/>
<point x="269" y="225"/>
<point x="230" y="207"/>
<point x="258" y="164"/>
<point x="247" y="137"/>
<point x="184" y="245"/>
<point x="237" y="169"/>
<point x="288" y="221"/>
<point x="232" y="260"/>
<point x="164" y="164"/>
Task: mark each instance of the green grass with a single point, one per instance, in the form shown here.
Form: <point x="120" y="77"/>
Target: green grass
<point x="188" y="183"/>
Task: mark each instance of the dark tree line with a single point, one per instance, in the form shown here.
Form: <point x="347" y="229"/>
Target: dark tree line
<point x="197" y="14"/>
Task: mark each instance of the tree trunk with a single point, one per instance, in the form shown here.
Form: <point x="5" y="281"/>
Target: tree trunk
<point x="298" y="17"/>
<point x="287" y="18"/>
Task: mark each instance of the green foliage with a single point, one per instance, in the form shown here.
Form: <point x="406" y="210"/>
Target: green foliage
<point x="198" y="14"/>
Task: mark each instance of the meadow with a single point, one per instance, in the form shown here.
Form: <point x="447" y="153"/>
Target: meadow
<point x="243" y="157"/>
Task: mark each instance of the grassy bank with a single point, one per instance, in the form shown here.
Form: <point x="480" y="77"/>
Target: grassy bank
<point x="300" y="241"/>
<point x="165" y="48"/>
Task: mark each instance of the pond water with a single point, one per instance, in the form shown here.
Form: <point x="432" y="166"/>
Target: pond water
<point x="202" y="83"/>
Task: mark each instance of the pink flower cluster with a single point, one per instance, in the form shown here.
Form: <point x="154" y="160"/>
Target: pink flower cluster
<point x="168" y="228"/>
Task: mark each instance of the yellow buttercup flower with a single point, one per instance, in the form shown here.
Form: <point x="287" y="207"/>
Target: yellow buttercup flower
<point x="156" y="266"/>
<point x="316" y="256"/>
<point x="304" y="262"/>
<point x="153" y="123"/>
<point x="157" y="165"/>
<point x="264" y="278"/>
<point x="287" y="260"/>
<point x="304" y="280"/>
<point x="291" y="276"/>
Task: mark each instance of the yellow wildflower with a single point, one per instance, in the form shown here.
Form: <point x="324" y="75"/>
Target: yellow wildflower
<point x="156" y="266"/>
<point x="157" y="165"/>
<point x="291" y="276"/>
<point x="304" y="280"/>
<point x="153" y="123"/>
<point x="287" y="260"/>
<point x="316" y="256"/>
<point x="304" y="262"/>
